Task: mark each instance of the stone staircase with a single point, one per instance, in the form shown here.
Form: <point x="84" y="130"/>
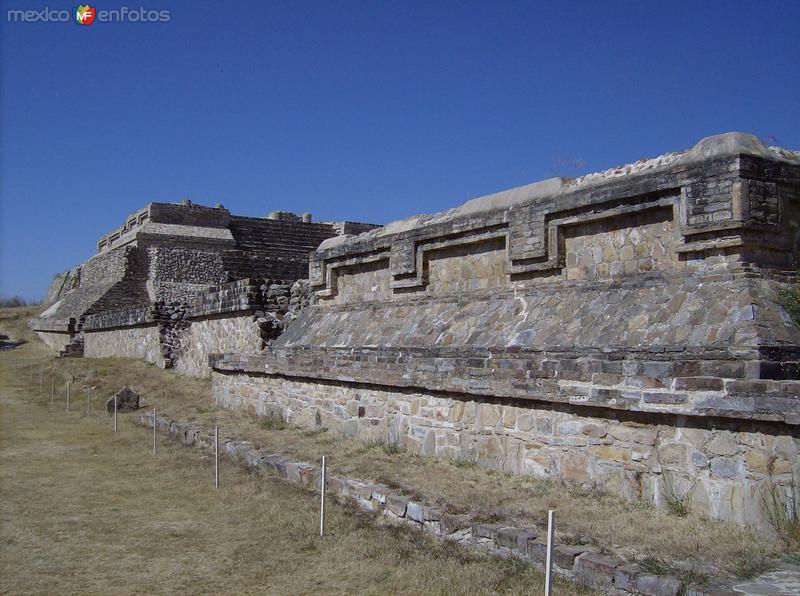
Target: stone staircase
<point x="74" y="349"/>
<point x="273" y="248"/>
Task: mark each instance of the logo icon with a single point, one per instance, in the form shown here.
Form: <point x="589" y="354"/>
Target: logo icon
<point x="84" y="14"/>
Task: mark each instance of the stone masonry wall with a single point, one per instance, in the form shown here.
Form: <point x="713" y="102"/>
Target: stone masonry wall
<point x="180" y="274"/>
<point x="172" y="253"/>
<point x="368" y="282"/>
<point x="242" y="317"/>
<point x="606" y="330"/>
<point x="56" y="341"/>
<point x="603" y="250"/>
<point x="223" y="333"/>
<point x="142" y="343"/>
<point x="722" y="465"/>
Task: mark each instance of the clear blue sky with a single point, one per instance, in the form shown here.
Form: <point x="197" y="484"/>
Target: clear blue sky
<point x="367" y="111"/>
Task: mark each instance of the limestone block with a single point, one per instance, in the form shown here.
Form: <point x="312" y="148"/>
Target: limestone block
<point x="596" y="570"/>
<point x="658" y="585"/>
<point x="564" y="555"/>
<point x="514" y="538"/>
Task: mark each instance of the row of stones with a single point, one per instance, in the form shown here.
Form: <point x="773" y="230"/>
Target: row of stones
<point x="242" y="295"/>
<point x="580" y="563"/>
<point x="722" y="467"/>
<point x="691" y="370"/>
<point x="269" y="302"/>
<point x="125" y="317"/>
<point x="275" y="295"/>
<point x="523" y="378"/>
<point x="245" y="294"/>
<point x="708" y="193"/>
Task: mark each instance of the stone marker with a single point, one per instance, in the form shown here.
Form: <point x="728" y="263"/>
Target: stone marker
<point x="128" y="400"/>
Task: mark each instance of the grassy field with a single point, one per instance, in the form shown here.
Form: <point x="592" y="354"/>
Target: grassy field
<point x="592" y="517"/>
<point x="85" y="510"/>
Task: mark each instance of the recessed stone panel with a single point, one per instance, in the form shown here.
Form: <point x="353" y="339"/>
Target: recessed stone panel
<point x="628" y="245"/>
<point x="364" y="282"/>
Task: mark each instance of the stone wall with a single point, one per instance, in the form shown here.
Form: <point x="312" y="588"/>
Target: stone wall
<point x="723" y="465"/>
<point x="606" y="330"/>
<point x="221" y="333"/>
<point x="632" y="244"/>
<point x="243" y="317"/>
<point x="172" y="253"/>
<point x="142" y="343"/>
<point x="54" y="340"/>
<point x="364" y="282"/>
<point x="179" y="274"/>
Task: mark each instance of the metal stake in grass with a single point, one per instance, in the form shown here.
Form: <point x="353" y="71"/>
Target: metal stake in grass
<point x="88" y="407"/>
<point x="68" y="392"/>
<point x="216" y="457"/>
<point x="53" y="390"/>
<point x="115" y="413"/>
<point x="548" y="575"/>
<point x="154" y="431"/>
<point x="41" y="381"/>
<point x="322" y="483"/>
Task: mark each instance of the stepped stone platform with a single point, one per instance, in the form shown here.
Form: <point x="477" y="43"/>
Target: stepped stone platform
<point x="622" y="329"/>
<point x="172" y="253"/>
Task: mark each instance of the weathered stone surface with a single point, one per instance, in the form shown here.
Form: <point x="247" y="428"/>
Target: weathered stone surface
<point x="451" y="523"/>
<point x="514" y="537"/>
<point x="537" y="550"/>
<point x="596" y="570"/>
<point x="488" y="531"/>
<point x="126" y="400"/>
<point x="397" y="505"/>
<point x="654" y="585"/>
<point x="632" y="455"/>
<point x="415" y="512"/>
<point x="142" y="343"/>
<point x="610" y="330"/>
<point x="625" y="577"/>
<point x="564" y="554"/>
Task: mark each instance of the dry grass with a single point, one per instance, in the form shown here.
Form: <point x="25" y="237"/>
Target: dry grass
<point x="85" y="510"/>
<point x="583" y="516"/>
<point x="783" y="512"/>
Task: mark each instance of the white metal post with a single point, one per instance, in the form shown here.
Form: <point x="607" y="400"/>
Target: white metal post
<point x="41" y="381"/>
<point x="154" y="431"/>
<point x="88" y="408"/>
<point x="115" y="413"/>
<point x="548" y="576"/>
<point x="322" y="483"/>
<point x="53" y="390"/>
<point x="216" y="457"/>
<point x="68" y="392"/>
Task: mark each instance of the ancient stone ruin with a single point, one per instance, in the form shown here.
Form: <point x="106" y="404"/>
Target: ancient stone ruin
<point x="156" y="273"/>
<point x="623" y="329"/>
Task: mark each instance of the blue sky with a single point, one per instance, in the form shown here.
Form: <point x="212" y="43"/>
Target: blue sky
<point x="367" y="111"/>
